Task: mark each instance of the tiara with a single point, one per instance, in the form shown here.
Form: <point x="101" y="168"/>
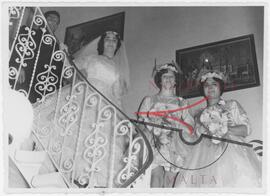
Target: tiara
<point x="168" y="66"/>
<point x="218" y="75"/>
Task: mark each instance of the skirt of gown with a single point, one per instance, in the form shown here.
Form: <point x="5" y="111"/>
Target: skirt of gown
<point x="221" y="165"/>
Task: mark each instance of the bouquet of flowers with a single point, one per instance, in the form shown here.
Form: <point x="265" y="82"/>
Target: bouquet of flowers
<point x="216" y="121"/>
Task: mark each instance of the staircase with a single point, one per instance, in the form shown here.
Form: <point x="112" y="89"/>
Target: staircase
<point x="106" y="148"/>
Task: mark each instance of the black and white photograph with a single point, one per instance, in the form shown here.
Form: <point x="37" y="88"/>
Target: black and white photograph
<point x="150" y="98"/>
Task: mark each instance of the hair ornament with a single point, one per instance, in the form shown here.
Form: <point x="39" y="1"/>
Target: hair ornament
<point x="171" y="66"/>
<point x="112" y="32"/>
<point x="168" y="66"/>
<point x="213" y="74"/>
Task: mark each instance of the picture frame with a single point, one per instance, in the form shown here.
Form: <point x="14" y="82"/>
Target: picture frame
<point x="235" y="58"/>
<point x="79" y="35"/>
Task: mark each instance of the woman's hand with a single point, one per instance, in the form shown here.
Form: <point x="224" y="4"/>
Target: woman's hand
<point x="230" y="121"/>
<point x="238" y="130"/>
<point x="163" y="139"/>
<point x="200" y="128"/>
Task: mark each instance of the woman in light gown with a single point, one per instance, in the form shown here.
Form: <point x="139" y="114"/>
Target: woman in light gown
<point x="217" y="163"/>
<point x="163" y="141"/>
<point x="108" y="72"/>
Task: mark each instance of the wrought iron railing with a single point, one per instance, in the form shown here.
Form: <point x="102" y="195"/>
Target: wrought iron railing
<point x="91" y="142"/>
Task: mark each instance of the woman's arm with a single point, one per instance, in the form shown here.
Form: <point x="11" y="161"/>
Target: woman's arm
<point x="199" y="128"/>
<point x="239" y="125"/>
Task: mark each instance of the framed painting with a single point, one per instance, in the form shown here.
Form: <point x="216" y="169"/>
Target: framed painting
<point x="235" y="58"/>
<point x="77" y="36"/>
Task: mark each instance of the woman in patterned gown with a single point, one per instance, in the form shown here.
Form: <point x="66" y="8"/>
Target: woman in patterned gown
<point x="215" y="163"/>
<point x="166" y="144"/>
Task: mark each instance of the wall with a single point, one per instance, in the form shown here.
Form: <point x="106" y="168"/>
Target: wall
<point x="158" y="32"/>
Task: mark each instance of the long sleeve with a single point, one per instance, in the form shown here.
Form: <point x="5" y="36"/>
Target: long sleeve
<point x="240" y="116"/>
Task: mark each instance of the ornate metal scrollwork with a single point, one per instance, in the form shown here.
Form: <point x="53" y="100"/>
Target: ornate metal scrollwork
<point x="68" y="72"/>
<point x="14" y="13"/>
<point x="48" y="39"/>
<point x="46" y="81"/>
<point x="93" y="99"/>
<point x="56" y="147"/>
<point x="95" y="151"/>
<point x="131" y="161"/>
<point x="39" y="20"/>
<point x="44" y="132"/>
<point x="68" y="115"/>
<point x="67" y="165"/>
<point x="25" y="46"/>
<point x="13" y="72"/>
<point x="107" y="112"/>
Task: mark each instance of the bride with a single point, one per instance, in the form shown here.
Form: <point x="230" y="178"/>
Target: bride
<point x="105" y="65"/>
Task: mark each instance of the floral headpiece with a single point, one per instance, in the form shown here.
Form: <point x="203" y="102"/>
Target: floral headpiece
<point x="212" y="74"/>
<point x="112" y="32"/>
<point x="169" y="66"/>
